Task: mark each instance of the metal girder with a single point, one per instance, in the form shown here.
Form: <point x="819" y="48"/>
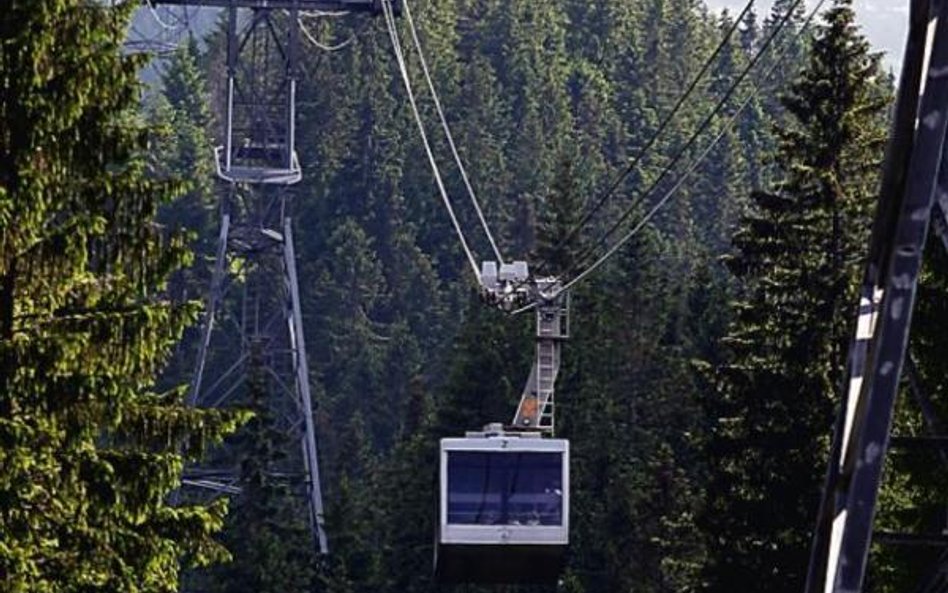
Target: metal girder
<point x="304" y="398"/>
<point x="260" y="112"/>
<point x="258" y="338"/>
<point x="371" y="6"/>
<point x="914" y="181"/>
<point x="259" y="136"/>
<point x="210" y="309"/>
<point x="253" y="334"/>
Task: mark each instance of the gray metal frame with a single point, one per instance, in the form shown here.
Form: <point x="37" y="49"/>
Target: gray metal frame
<point x="915" y="185"/>
<point x="260" y="332"/>
<point x="259" y="136"/>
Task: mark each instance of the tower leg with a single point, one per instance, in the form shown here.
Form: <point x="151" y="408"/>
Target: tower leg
<point x="298" y="347"/>
<point x="213" y="300"/>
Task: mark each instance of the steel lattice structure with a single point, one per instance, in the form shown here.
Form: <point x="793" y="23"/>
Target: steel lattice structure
<point x="252" y="332"/>
<point x="913" y="199"/>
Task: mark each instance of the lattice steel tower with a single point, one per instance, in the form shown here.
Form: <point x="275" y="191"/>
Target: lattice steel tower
<point x="913" y="200"/>
<point x="252" y="332"/>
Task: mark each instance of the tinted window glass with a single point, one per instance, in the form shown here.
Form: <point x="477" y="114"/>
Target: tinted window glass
<point x="505" y="488"/>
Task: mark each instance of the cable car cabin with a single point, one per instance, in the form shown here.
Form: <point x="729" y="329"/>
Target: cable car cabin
<point x="504" y="509"/>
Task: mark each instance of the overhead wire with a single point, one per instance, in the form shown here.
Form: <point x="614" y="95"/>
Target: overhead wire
<point x="324" y="13"/>
<point x="653" y="139"/>
<point x="700" y="158"/>
<point x="156" y="16"/>
<point x="389" y="15"/>
<point x="447" y="132"/>
<point x="319" y="44"/>
<point x="166" y="40"/>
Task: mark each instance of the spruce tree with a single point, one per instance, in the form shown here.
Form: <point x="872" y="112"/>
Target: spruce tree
<point x="90" y="452"/>
<point x="408" y="489"/>
<point x="720" y="193"/>
<point x="796" y="262"/>
<point x="556" y="247"/>
<point x="182" y="147"/>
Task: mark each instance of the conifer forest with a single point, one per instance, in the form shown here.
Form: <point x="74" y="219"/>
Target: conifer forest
<point x="716" y="173"/>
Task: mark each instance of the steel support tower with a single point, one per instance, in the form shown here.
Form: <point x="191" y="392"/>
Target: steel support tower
<point x="252" y="334"/>
<point x="913" y="199"/>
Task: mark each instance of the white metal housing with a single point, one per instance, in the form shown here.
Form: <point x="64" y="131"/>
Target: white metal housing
<point x="508" y="548"/>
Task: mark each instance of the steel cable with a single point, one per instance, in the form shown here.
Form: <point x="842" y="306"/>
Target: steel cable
<point x="447" y="132"/>
<point x="400" y="59"/>
<point x="649" y="145"/>
<point x="698" y="161"/>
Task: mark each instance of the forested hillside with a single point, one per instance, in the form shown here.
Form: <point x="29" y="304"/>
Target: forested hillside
<point x="702" y="375"/>
<point x="695" y="463"/>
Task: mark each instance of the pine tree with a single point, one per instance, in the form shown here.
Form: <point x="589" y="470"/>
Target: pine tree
<point x="624" y="401"/>
<point x="90" y="453"/>
<point x="409" y="483"/>
<point x="720" y="195"/>
<point x="490" y="363"/>
<point x="353" y="516"/>
<point x="536" y="69"/>
<point x="796" y="267"/>
<point x="557" y="243"/>
<point x="750" y="32"/>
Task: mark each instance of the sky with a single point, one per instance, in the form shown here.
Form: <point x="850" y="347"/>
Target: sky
<point x="885" y="22"/>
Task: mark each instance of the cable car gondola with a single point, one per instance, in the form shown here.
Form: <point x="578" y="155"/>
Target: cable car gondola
<point x="504" y="508"/>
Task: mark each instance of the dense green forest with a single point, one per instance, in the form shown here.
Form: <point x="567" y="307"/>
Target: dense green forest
<point x="699" y="385"/>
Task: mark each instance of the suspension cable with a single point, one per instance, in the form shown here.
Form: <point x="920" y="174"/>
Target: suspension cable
<point x="319" y="44"/>
<point x="703" y="155"/>
<point x="157" y="17"/>
<point x="316" y="14"/>
<point x="649" y="145"/>
<point x="400" y="59"/>
<point x="447" y="132"/>
<point x="683" y="151"/>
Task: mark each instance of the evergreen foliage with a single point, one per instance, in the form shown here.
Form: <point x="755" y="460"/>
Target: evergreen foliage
<point x="270" y="539"/>
<point x="546" y="104"/>
<point x="797" y="260"/>
<point x="90" y="453"/>
<point x="686" y="475"/>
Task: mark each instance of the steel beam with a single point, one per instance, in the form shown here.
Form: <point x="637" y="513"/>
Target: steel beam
<point x="261" y="337"/>
<point x="370" y="6"/>
<point x="537" y="406"/>
<point x="298" y="346"/>
<point x="214" y="296"/>
<point x="915" y="177"/>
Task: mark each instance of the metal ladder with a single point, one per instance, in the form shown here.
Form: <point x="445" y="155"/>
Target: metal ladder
<point x="537" y="403"/>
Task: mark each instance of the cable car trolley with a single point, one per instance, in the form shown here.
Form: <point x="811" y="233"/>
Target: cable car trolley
<point x="504" y="492"/>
